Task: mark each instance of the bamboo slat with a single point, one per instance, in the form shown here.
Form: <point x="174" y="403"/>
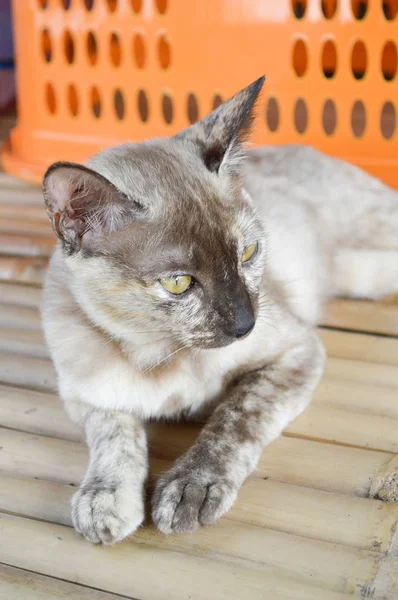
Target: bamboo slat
<point x="30" y="455"/>
<point x="335" y="518"/>
<point x="17" y="584"/>
<point x="27" y="371"/>
<point x="23" y="212"/>
<point x="22" y="341"/>
<point x="26" y="227"/>
<point x="9" y="182"/>
<point x="36" y="412"/>
<point x="29" y="195"/>
<point x="20" y="317"/>
<point x="360" y="398"/>
<point x="360" y="346"/>
<point x="19" y="294"/>
<point x="27" y="270"/>
<point x="363" y="316"/>
<point x="53" y="549"/>
<point x="343" y="427"/>
<point x="323" y="564"/>
<point x="16" y="244"/>
<point x="366" y="373"/>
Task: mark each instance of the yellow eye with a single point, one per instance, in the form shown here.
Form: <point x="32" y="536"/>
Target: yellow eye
<point x="249" y="252"/>
<point x="177" y="284"/>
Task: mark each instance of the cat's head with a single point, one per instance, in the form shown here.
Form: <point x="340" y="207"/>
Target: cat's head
<point x="161" y="236"/>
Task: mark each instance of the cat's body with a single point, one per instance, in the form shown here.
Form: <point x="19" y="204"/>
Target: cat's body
<point x="321" y="227"/>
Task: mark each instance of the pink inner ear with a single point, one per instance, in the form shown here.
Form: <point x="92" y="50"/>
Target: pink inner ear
<point x="60" y="193"/>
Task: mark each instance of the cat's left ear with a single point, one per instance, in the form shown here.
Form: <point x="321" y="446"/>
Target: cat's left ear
<point x="83" y="205"/>
<point x="218" y="137"/>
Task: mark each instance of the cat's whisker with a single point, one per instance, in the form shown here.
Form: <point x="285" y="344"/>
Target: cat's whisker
<point x="264" y="317"/>
<point x="164" y="359"/>
<point x="165" y="339"/>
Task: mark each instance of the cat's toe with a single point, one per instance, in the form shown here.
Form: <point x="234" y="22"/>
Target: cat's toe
<point x="106" y="515"/>
<point x="183" y="504"/>
<point x="219" y="499"/>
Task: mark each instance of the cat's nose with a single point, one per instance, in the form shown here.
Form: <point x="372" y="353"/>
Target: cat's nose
<point x="239" y="317"/>
<point x="245" y="328"/>
<point x="242" y="325"/>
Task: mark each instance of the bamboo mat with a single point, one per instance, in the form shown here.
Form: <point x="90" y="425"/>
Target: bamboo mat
<point x="304" y="526"/>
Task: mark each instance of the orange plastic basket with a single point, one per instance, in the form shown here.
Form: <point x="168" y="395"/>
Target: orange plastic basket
<point x="92" y="73"/>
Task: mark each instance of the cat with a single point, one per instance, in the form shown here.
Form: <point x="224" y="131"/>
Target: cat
<point x="187" y="280"/>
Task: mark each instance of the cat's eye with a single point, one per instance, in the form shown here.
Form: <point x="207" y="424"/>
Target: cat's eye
<point x="177" y="284"/>
<point x="249" y="252"/>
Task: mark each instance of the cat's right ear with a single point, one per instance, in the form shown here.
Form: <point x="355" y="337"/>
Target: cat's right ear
<point x="218" y="138"/>
<point x="81" y="203"/>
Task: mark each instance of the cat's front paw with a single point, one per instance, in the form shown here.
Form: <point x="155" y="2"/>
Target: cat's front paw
<point x="106" y="514"/>
<point x="184" y="501"/>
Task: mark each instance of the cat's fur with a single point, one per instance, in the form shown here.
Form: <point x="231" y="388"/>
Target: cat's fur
<point x="125" y="350"/>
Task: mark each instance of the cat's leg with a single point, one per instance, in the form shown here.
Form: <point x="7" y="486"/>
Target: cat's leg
<point x="203" y="484"/>
<point x="109" y="504"/>
<point x="369" y="274"/>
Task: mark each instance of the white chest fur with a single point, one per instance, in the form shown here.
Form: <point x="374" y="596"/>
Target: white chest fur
<point x="195" y="380"/>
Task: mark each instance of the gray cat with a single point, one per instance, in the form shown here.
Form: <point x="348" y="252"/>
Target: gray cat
<point x="188" y="281"/>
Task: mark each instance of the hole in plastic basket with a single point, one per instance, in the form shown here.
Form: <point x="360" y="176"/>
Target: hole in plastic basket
<point x="358" y="118"/>
<point x="217" y="101"/>
<point x="112" y="5"/>
<point x="329" y="59"/>
<point x="46" y="45"/>
<point x="161" y="5"/>
<point x="329" y="8"/>
<point x="359" y="9"/>
<point x="359" y="60"/>
<point x="299" y="7"/>
<point x="143" y="106"/>
<point x="73" y="100"/>
<point x="89" y="4"/>
<point x="42" y="3"/>
<point x="51" y="100"/>
<point x="192" y="108"/>
<point x="389" y="61"/>
<point x="390" y="9"/>
<point x="92" y="49"/>
<point x="300" y="116"/>
<point x="388" y="120"/>
<point x="164" y="52"/>
<point x="139" y="51"/>
<point x="136" y="5"/>
<point x="66" y="4"/>
<point x="167" y="108"/>
<point x="118" y="103"/>
<point x="115" y="50"/>
<point x="272" y="114"/>
<point x="69" y="47"/>
<point x="300" y="58"/>
<point x="329" y="117"/>
<point x="95" y="102"/>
